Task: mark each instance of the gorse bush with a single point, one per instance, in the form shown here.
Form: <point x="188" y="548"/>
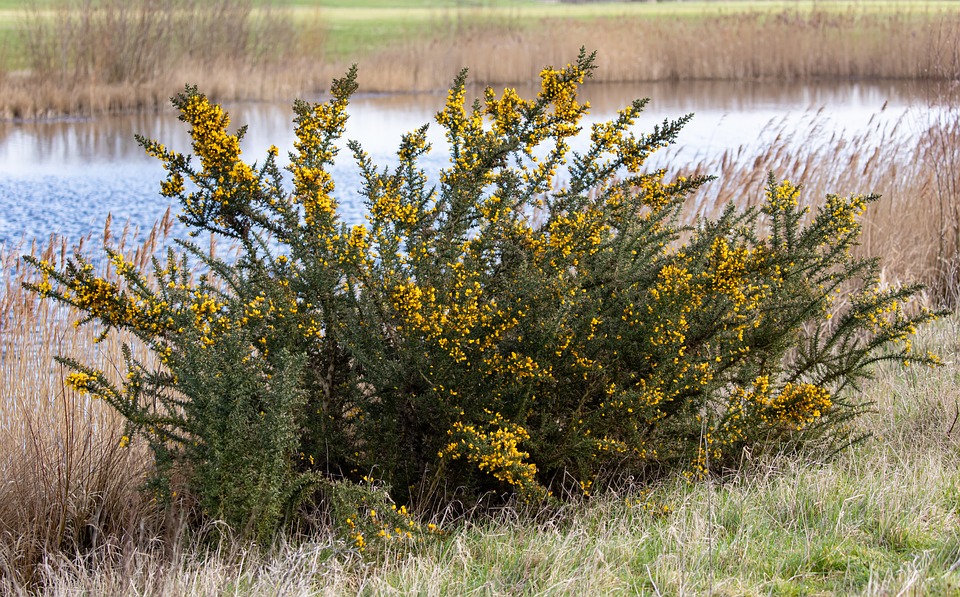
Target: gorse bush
<point x="495" y="332"/>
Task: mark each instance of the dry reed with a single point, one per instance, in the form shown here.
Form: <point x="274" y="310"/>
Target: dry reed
<point x="65" y="485"/>
<point x="786" y="45"/>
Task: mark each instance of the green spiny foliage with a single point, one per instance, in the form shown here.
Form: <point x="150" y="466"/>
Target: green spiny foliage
<point x="497" y="332"/>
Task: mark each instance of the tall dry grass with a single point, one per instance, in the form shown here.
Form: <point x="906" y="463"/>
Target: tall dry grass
<point x="108" y="55"/>
<point x="787" y="45"/>
<point x="66" y="486"/>
<point x="914" y="164"/>
<point x="86" y="56"/>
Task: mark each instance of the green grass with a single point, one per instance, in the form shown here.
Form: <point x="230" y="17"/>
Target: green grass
<point x="802" y="530"/>
<point x="882" y="517"/>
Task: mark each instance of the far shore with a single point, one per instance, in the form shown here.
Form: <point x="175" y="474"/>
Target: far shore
<point x="62" y="68"/>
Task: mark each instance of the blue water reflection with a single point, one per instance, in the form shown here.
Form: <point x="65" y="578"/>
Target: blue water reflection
<point x="64" y="177"/>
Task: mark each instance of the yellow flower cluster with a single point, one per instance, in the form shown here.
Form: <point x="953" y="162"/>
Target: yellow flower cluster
<point x="560" y="87"/>
<point x="467" y="325"/>
<point x="173" y="186"/>
<point x="728" y="267"/>
<point x="80" y="381"/>
<point x="576" y="235"/>
<point x="883" y="316"/>
<point x="653" y="192"/>
<point x="359" y="541"/>
<point x="453" y="117"/>
<point x="607" y="136"/>
<point x="43" y="286"/>
<point x="374" y="522"/>
<point x="103" y="299"/>
<point x="316" y="194"/>
<point x="507" y="112"/>
<point x="209" y="318"/>
<point x="381" y="529"/>
<point x="209" y="124"/>
<point x="497" y="453"/>
<point x="795" y="406"/>
<point x="318" y="127"/>
<point x="843" y="212"/>
<point x="388" y="206"/>
<point x="416" y="307"/>
<point x="783" y="197"/>
<point x="219" y="154"/>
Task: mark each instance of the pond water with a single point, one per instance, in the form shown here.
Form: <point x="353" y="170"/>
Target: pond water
<point x="64" y="177"/>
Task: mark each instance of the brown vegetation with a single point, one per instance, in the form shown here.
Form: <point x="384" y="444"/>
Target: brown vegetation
<point x="65" y="486"/>
<point x="134" y="55"/>
<point x="763" y="45"/>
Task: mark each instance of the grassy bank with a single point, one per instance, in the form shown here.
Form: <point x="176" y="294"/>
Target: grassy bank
<point x="63" y="57"/>
<point x="880" y="519"/>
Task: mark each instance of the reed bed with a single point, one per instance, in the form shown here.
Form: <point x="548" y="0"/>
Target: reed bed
<point x="786" y="45"/>
<point x="87" y="57"/>
<point x="65" y="484"/>
<point x="90" y="56"/>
